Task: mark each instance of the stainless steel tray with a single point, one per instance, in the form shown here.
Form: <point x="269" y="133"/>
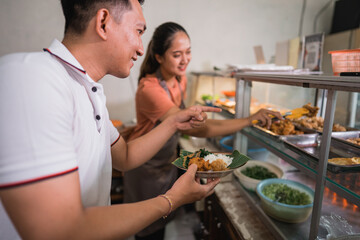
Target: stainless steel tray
<point x="308" y="139"/>
<point x="303" y="140"/>
<point x="343" y="136"/>
<point x="302" y="128"/>
<point x="337" y="150"/>
<point x="266" y="131"/>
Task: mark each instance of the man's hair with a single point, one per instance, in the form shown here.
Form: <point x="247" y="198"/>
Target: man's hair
<point x="78" y="13"/>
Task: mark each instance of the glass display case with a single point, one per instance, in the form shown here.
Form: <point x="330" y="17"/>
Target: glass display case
<point x="330" y="182"/>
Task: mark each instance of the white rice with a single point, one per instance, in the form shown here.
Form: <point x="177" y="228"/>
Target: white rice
<point x="213" y="157"/>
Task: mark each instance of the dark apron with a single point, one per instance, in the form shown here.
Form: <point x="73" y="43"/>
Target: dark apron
<point x="156" y="176"/>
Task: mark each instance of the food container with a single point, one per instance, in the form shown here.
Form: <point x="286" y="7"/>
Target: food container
<point x="343" y="136"/>
<point x="198" y="142"/>
<point x="338" y="149"/>
<point x="308" y="139"/>
<point x="303" y="140"/>
<point x="285" y="212"/>
<point x="251" y="183"/>
<point x="345" y="61"/>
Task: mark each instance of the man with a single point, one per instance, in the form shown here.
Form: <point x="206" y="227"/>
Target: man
<point x="55" y="159"/>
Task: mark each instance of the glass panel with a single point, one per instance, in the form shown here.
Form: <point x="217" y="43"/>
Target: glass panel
<point x="283" y="96"/>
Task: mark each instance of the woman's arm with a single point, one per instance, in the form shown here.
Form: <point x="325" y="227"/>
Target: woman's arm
<point x="214" y="128"/>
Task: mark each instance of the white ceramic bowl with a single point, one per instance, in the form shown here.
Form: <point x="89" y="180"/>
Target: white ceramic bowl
<point x="198" y="142"/>
<point x="285" y="212"/>
<point x="251" y="183"/>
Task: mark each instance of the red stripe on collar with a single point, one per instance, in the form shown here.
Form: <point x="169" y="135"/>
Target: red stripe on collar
<point x="47" y="50"/>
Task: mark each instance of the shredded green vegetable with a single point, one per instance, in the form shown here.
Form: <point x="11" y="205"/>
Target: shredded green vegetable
<point x="258" y="172"/>
<point x="284" y="194"/>
<point x="204" y="153"/>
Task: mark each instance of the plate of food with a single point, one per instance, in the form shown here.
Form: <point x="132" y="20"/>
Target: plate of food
<point x="211" y="165"/>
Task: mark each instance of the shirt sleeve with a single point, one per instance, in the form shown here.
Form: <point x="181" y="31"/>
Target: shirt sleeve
<point x="114" y="134"/>
<point x="36" y="124"/>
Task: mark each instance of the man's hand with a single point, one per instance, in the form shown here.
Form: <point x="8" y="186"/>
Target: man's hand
<point x="264" y="117"/>
<point x="187" y="188"/>
<point x="193" y="117"/>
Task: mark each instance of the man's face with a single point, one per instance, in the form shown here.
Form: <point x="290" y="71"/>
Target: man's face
<point x="126" y="44"/>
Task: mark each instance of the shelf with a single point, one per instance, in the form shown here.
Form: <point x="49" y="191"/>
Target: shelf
<point x="345" y="184"/>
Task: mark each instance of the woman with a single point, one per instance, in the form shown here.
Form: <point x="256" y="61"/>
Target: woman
<point x="161" y="92"/>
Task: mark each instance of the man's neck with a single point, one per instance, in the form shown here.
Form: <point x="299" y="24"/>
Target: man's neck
<point x="86" y="54"/>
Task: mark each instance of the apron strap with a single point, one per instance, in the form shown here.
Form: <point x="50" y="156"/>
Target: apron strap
<point x="162" y="83"/>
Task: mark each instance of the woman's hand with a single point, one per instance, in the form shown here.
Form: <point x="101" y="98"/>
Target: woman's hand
<point x="193" y="117"/>
<point x="264" y="117"/>
<point x="187" y="188"/>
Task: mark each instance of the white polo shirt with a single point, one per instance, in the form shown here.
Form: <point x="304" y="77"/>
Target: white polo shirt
<point x="53" y="121"/>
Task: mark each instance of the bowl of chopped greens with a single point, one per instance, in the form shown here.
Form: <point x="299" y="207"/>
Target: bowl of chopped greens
<point x="285" y="200"/>
<point x="254" y="171"/>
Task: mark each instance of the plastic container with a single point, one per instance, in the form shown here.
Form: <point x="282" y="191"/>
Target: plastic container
<point x="345" y="61"/>
<point x="285" y="212"/>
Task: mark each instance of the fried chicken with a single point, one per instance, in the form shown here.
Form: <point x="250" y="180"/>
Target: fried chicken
<point x="317" y="123"/>
<point x="217" y="165"/>
<point x="190" y="156"/>
<point x="201" y="163"/>
<point x="338" y="128"/>
<point x="354" y="140"/>
<point x="284" y="127"/>
<point x="313" y="110"/>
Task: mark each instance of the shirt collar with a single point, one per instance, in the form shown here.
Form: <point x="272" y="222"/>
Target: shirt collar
<point x="58" y="50"/>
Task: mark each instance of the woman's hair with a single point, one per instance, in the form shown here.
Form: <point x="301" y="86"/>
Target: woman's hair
<point x="78" y="13"/>
<point x="159" y="43"/>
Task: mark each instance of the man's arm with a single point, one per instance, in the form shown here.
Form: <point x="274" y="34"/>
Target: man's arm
<point x="52" y="209"/>
<point x="126" y="156"/>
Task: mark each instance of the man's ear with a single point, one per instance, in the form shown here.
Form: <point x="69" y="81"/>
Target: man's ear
<point x="103" y="19"/>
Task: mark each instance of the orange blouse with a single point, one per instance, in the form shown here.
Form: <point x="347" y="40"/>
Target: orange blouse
<point x="152" y="102"/>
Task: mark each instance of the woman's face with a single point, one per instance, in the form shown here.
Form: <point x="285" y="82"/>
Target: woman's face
<point x="177" y="57"/>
